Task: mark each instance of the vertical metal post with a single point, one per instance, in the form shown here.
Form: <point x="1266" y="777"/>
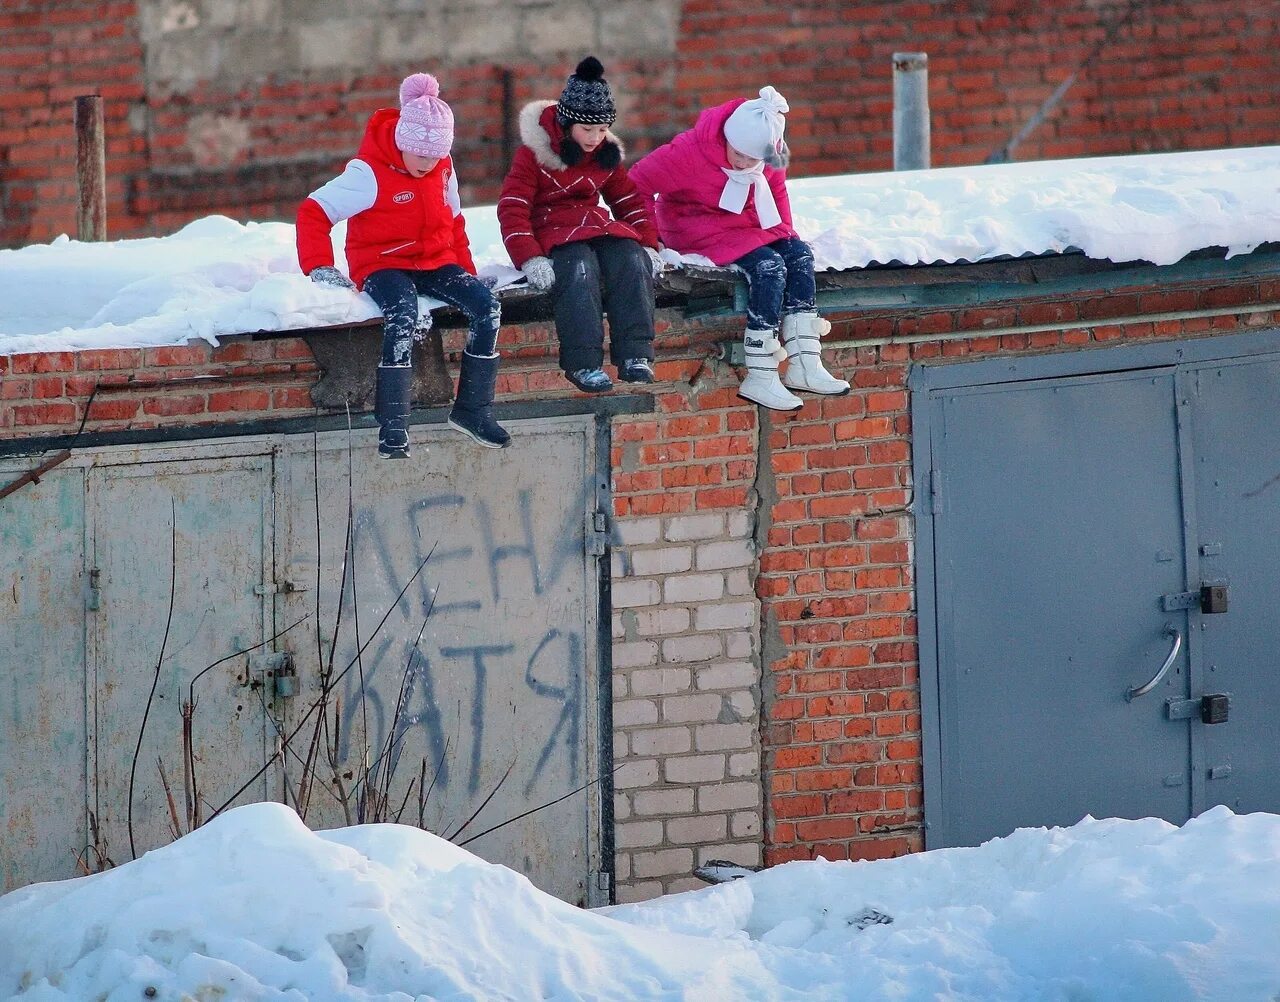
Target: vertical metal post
<point x="91" y="169"/>
<point x="910" y="110"/>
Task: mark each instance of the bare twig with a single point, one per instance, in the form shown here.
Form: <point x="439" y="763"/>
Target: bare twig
<point x="173" y="577"/>
<point x="483" y="804"/>
<point x="174" y="822"/>
<point x="533" y="810"/>
<point x="332" y="682"/>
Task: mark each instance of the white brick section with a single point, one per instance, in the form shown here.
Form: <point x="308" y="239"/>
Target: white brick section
<point x="700" y="828"/>
<point x="656" y="622"/>
<point x="638" y="531"/>
<point x="694" y="769"/>
<point x="725" y="616"/>
<point x="664" y="862"/>
<point x="660" y="681"/>
<point x="693" y="588"/>
<point x="686" y="689"/>
<point x="727" y="797"/>
<point x="642" y="652"/>
<point x="633" y="712"/>
<point x="675" y="800"/>
<point x="688" y="709"/>
<point x="686" y="527"/>
<point x="720" y="737"/>
<point x="730" y="553"/>
<point x="668" y="560"/>
<point x="640" y="833"/>
<point x="631" y="592"/>
<point x="638" y="773"/>
<point x="662" y="741"/>
<point x="695" y="647"/>
<point x="726" y="675"/>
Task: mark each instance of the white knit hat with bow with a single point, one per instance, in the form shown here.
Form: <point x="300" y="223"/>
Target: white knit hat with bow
<point x="755" y="128"/>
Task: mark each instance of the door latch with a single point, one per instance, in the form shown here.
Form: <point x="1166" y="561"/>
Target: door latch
<point x="277" y="673"/>
<point x="1211" y="708"/>
<point x="1211" y="599"/>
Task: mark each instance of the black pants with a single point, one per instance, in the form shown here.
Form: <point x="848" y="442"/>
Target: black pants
<point x="603" y="275"/>
<point x="396" y="292"/>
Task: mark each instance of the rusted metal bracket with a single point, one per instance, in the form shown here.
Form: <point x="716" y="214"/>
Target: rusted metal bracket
<point x="33" y="476"/>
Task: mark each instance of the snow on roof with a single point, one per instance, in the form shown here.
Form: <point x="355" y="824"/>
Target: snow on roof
<point x="217" y="277"/>
<point x="253" y="906"/>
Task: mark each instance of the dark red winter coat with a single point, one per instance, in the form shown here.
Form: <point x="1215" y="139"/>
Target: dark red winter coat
<point x="396" y="220"/>
<point x="545" y="202"/>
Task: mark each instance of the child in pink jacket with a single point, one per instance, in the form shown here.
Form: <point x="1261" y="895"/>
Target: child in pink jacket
<point x="721" y="192"/>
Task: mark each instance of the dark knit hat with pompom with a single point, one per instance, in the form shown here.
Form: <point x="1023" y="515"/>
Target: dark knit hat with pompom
<point x="586" y="97"/>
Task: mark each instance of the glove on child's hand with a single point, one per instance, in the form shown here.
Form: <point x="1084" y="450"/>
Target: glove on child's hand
<point x="656" y="264"/>
<point x="327" y="274"/>
<point x="540" y="273"/>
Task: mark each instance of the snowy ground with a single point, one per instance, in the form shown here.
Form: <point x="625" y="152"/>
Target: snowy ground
<point x="217" y="277"/>
<point x="254" y="907"/>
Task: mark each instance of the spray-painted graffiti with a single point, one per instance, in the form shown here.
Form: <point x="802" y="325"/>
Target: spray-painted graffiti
<point x="489" y="637"/>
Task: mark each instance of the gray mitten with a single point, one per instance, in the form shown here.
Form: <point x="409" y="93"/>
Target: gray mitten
<point x="540" y="273"/>
<point x="327" y="274"/>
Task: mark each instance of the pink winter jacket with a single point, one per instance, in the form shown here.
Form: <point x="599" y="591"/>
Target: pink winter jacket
<point x="687" y="175"/>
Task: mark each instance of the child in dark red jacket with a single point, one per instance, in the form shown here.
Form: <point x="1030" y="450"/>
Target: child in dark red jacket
<point x="406" y="238"/>
<point x="564" y="240"/>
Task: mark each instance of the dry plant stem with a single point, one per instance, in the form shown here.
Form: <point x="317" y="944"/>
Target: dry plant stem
<point x="175" y="823"/>
<point x="168" y="623"/>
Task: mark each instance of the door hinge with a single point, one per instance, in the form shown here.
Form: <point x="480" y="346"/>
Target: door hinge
<point x="604" y="881"/>
<point x="94" y="600"/>
<point x="935" y="490"/>
<point x="597" y="534"/>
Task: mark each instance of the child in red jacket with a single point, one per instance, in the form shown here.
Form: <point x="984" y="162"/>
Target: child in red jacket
<point x="565" y="241"/>
<point x="722" y="192"/>
<point x="406" y="238"/>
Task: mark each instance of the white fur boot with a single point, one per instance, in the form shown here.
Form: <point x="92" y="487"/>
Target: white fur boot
<point x="762" y="385"/>
<point x="800" y="336"/>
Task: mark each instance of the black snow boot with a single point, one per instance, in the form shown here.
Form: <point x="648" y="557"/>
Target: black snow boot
<point x="391" y="407"/>
<point x="472" y="412"/>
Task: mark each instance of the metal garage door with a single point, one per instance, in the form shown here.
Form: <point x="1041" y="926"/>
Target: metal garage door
<point x="1071" y="520"/>
<point x="500" y="679"/>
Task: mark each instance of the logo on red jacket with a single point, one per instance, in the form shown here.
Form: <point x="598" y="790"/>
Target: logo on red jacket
<point x="402" y="197"/>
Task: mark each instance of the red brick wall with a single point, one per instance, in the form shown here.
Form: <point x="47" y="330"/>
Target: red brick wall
<point x="1181" y="74"/>
<point x="51" y="51"/>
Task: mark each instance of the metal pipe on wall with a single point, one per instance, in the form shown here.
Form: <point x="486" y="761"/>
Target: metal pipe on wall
<point x="910" y="110"/>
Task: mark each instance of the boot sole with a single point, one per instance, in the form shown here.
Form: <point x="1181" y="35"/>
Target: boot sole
<point x="772" y="407"/>
<point x="476" y="438"/>
<point x="393" y="454"/>
<point x="822" y="393"/>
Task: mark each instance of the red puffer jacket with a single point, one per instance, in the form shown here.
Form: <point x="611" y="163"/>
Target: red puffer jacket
<point x="545" y="202"/>
<point x="397" y="220"/>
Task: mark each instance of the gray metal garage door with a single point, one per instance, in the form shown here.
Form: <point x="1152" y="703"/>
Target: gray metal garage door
<point x="482" y="672"/>
<point x="1069" y="523"/>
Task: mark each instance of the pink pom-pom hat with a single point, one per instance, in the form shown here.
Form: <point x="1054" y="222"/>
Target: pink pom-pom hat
<point x="426" y="123"/>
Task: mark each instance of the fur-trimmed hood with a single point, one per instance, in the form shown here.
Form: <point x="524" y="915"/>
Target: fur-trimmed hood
<point x="551" y="145"/>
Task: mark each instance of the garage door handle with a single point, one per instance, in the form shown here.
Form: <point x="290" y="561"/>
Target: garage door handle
<point x="1169" y="631"/>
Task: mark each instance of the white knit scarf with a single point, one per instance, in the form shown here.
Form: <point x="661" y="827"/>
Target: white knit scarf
<point x="734" y="196"/>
